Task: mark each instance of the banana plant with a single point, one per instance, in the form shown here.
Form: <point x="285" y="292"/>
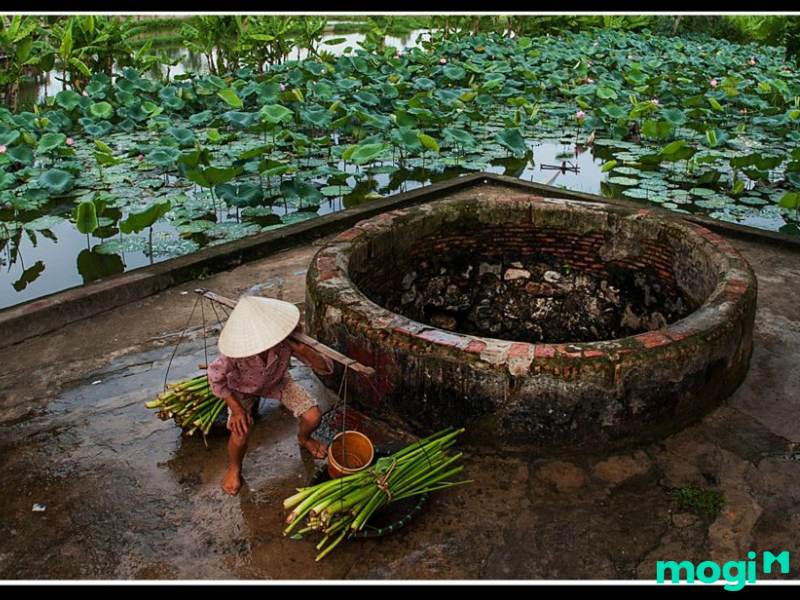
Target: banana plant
<point x="23" y="46"/>
<point x="267" y="40"/>
<point x="70" y="56"/>
<point x="310" y="31"/>
<point x="217" y="39"/>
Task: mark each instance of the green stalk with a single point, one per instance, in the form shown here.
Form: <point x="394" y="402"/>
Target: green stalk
<point x="350" y="500"/>
<point x="374" y="502"/>
<point x="333" y="545"/>
<point x="302" y="493"/>
<point x="423" y="442"/>
<point x="442" y="486"/>
<point x="213" y="418"/>
<point x="438" y="478"/>
<point x="308" y="503"/>
<point x="337" y="526"/>
<point x="416" y="473"/>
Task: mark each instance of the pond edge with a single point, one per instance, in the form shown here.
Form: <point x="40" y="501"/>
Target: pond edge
<point x="49" y="313"/>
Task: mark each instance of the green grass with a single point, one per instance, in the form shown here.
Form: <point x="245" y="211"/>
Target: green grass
<point x="707" y="503"/>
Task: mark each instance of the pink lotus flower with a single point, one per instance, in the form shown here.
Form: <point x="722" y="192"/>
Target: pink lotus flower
<point x="442" y="61"/>
<point x="3" y="149"/>
<point x="70" y="141"/>
<point x="655" y="101"/>
<point x="397" y="54"/>
<point x="752" y="60"/>
<point x="85" y="93"/>
<point x="580" y="115"/>
<point x="283" y="88"/>
<point x="713" y="83"/>
<point x="140" y="157"/>
<point x="589" y="80"/>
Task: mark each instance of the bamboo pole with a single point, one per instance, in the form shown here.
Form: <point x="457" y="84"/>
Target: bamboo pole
<point x="301" y="338"/>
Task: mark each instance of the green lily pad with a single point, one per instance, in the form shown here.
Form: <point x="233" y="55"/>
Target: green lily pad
<point x="244" y="194"/>
<point x="512" y="140"/>
<point x="56" y="181"/>
<point x="638" y="193"/>
<point x="167" y="244"/>
<point x="335" y="190"/>
<point x="624" y="181"/>
<point x="50" y="141"/>
<point x="275" y="113"/>
<point x="126" y="244"/>
<point x="101" y="110"/>
<point x="42" y="223"/>
<point x="753" y="200"/>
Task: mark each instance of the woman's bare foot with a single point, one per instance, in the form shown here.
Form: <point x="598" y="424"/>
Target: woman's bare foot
<point x="232" y="481"/>
<point x="317" y="449"/>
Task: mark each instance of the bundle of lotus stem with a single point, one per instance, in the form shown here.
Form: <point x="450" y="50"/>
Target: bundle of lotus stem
<point x="190" y="403"/>
<point x="340" y="507"/>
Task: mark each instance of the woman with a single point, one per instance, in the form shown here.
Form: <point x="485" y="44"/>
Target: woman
<point x="254" y="363"/>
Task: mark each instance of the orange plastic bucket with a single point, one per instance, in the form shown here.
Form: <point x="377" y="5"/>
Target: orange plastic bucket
<point x="349" y="452"/>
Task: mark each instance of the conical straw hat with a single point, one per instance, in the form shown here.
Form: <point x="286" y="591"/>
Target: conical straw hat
<point x="257" y="324"/>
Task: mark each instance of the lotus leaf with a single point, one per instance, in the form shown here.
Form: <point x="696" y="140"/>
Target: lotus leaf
<point x="56" y="181"/>
<point x="241" y="195"/>
<point x="101" y="110"/>
<point x="512" y="140"/>
<point x="275" y="114"/>
<point x="50" y="141"/>
<point x="138" y="221"/>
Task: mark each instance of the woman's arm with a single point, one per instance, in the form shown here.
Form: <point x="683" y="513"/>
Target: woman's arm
<point x="319" y="363"/>
<point x="240" y="418"/>
<point x="218" y="381"/>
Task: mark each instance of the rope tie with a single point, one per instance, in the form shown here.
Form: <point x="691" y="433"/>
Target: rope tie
<point x="383" y="482"/>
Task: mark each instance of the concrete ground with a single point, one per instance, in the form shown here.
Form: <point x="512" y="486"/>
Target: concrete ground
<point x="127" y="497"/>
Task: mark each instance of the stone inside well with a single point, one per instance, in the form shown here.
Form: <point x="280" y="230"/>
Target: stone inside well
<point x="537" y="298"/>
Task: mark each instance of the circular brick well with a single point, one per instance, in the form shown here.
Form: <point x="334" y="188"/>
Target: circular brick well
<point x="539" y="324"/>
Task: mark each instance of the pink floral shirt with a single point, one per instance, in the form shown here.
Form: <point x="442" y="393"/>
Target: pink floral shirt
<point x="259" y="375"/>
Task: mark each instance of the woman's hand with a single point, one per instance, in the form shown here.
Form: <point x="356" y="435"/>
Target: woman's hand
<point x="240" y="419"/>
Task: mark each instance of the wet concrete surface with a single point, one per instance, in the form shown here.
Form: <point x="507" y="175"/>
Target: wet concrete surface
<point x="128" y="497"/>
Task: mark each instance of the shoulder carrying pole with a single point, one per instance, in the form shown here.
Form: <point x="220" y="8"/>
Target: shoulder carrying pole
<point x="302" y="338"/>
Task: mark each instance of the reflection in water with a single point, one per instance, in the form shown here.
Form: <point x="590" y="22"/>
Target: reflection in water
<point x="28" y="276"/>
<point x="93" y="265"/>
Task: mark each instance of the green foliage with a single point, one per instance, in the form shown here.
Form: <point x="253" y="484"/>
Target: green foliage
<point x="707" y="503"/>
<point x="147" y="217"/>
<point x="86" y="217"/>
<point x="57" y="181"/>
<point x="466" y="100"/>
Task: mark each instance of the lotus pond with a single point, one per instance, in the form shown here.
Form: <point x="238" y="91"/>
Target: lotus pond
<point x="133" y="170"/>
